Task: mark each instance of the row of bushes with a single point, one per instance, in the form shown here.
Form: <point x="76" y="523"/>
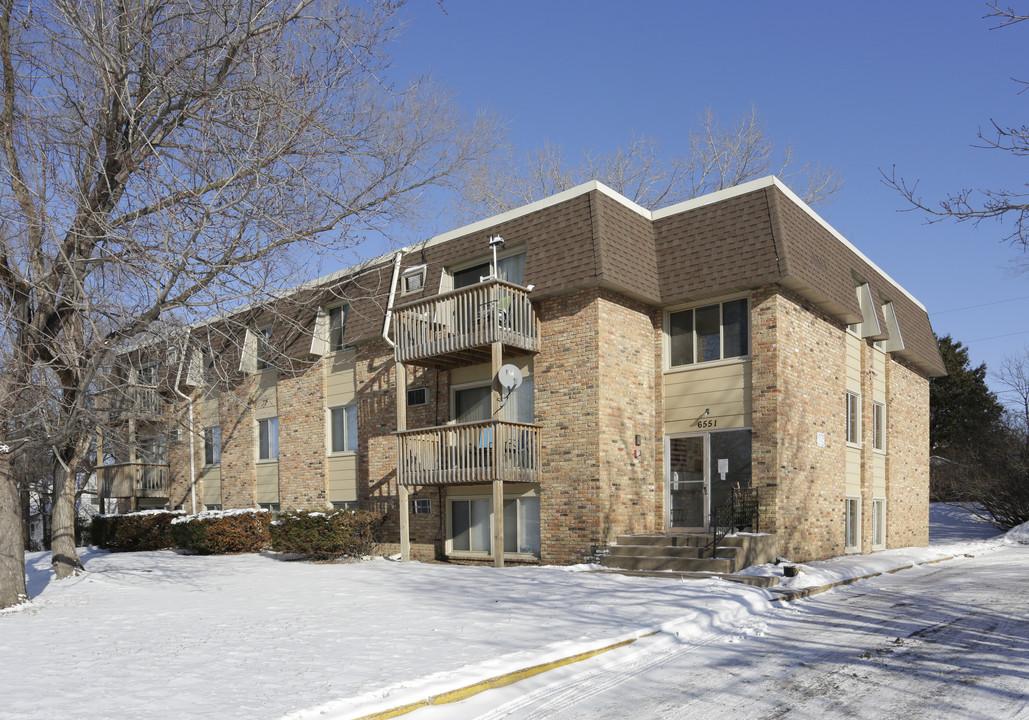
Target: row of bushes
<point x="315" y="535"/>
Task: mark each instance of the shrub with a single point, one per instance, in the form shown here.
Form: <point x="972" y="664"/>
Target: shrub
<point x="324" y="536"/>
<point x="146" y="530"/>
<point x="215" y="532"/>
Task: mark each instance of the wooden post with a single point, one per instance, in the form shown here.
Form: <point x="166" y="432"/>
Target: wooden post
<point x="402" y="490"/>
<point x="498" y="484"/>
<point x="99" y="464"/>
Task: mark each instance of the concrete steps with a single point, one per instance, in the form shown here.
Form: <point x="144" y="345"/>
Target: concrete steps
<point x="689" y="552"/>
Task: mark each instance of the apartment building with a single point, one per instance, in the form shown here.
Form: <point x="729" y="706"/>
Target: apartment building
<point x="529" y="387"/>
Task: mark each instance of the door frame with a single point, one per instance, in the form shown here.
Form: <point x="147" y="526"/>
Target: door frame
<point x="706" y="437"/>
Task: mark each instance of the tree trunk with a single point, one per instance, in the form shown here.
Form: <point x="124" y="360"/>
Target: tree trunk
<point x="12" y="554"/>
<point x="62" y="543"/>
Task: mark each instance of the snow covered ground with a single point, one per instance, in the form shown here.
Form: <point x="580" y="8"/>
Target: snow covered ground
<point x="164" y="635"/>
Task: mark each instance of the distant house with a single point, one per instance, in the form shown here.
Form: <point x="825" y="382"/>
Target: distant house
<point x="611" y="370"/>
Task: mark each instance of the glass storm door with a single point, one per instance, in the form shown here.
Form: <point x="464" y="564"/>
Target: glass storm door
<point x="687" y="482"/>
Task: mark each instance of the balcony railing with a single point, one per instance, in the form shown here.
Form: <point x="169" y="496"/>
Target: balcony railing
<point x="126" y="480"/>
<point x="458" y="327"/>
<point x="132" y="401"/>
<point x="469" y="453"/>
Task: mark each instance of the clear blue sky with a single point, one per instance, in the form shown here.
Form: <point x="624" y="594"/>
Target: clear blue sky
<point x="859" y="86"/>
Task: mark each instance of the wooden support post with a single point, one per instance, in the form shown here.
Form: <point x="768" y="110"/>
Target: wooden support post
<point x="404" y="504"/>
<point x="96" y="473"/>
<point x="498" y="523"/>
<point x="405" y="523"/>
<point x="498" y="484"/>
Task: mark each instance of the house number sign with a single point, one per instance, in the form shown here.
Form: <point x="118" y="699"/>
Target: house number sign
<point x="707" y="423"/>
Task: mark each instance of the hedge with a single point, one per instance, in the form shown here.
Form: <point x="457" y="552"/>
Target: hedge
<point x="146" y="530"/>
<point x="327" y="535"/>
<point x="217" y="532"/>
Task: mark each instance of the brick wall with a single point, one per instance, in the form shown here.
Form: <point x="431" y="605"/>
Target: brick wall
<point x="907" y="459"/>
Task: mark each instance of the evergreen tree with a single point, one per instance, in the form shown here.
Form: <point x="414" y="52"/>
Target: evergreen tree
<point x="962" y="409"/>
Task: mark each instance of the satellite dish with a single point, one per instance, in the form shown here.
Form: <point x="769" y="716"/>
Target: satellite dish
<point x="509" y="377"/>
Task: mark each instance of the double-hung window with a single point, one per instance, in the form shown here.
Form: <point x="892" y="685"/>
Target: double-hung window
<point x="212" y="445"/>
<point x="879" y="426"/>
<point x="268" y="439"/>
<point x="853" y="418"/>
<point x="264" y="336"/>
<point x="337" y="326"/>
<point x="712" y="332"/>
<point x="343" y="429"/>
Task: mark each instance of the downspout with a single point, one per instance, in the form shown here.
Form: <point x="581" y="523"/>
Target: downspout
<point x="192" y="454"/>
<point x="392" y="293"/>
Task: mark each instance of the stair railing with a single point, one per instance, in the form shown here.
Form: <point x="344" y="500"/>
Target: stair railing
<point x="740" y="510"/>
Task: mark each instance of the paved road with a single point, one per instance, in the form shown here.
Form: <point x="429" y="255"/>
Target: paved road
<point x="948" y="640"/>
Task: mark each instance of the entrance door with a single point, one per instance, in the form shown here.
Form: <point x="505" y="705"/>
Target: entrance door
<point x="687" y="482"/>
<point x="703" y="470"/>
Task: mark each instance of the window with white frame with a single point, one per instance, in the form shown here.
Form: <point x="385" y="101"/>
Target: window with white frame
<point x="853" y="418"/>
<point x="852" y="519"/>
<point x="417" y="396"/>
<point x="879" y="523"/>
<point x="412" y="280"/>
<point x="337" y="326"/>
<point x="147" y="375"/>
<point x="421" y="506"/>
<point x="470" y="521"/>
<point x="268" y="439"/>
<point x="712" y="332"/>
<point x="264" y="336"/>
<point x="212" y="445"/>
<point x="343" y="429"/>
<point x="879" y="426"/>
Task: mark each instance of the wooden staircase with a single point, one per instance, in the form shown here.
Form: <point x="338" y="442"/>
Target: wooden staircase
<point x="689" y="552"/>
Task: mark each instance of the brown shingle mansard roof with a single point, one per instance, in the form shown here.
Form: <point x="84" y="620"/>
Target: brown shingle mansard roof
<point x="734" y="240"/>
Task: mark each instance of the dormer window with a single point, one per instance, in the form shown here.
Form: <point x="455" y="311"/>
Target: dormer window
<point x="510" y="268"/>
<point x="413" y="280"/>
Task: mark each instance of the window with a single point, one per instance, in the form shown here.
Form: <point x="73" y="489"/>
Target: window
<point x="264" y="336"/>
<point x="879" y="426"/>
<point x="470" y="525"/>
<point x="268" y="439"/>
<point x="852" y="539"/>
<point x="417" y="396"/>
<point x="474" y="404"/>
<point x="510" y="268"/>
<point x="879" y="524"/>
<point x="212" y="445"/>
<point x="412" y="280"/>
<point x="147" y="375"/>
<point x="713" y="332"/>
<point x="421" y="506"/>
<point x="853" y="418"/>
<point x="343" y="429"/>
<point x="337" y="326"/>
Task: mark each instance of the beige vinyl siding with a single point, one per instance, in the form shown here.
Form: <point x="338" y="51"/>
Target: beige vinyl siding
<point x="340" y="379"/>
<point x="853" y="471"/>
<point x="722" y="388"/>
<point x="342" y="477"/>
<point x="853" y="363"/>
<point x="267" y="482"/>
<point x="266" y="396"/>
<point x="878" y="475"/>
<point x="209" y="409"/>
<point x="211" y="476"/>
<point x="340" y="390"/>
<point x="482" y="373"/>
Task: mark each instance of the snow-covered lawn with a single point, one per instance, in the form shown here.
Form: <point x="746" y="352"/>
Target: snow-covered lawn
<point x="165" y="635"/>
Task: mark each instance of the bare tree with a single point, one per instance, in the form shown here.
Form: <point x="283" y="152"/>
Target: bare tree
<point x="170" y="158"/>
<point x="976" y="205"/>
<point x="717" y="156"/>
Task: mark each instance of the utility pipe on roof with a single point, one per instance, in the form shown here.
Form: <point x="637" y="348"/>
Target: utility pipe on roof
<point x="392" y="293"/>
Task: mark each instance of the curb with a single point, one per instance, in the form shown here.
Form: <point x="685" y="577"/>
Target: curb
<point x="788" y="595"/>
<point x="510" y="678"/>
<point x="459" y="694"/>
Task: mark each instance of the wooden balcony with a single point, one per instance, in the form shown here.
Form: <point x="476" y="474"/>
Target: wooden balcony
<point x="476" y="452"/>
<point x="126" y="480"/>
<point x="140" y="403"/>
<point x="457" y="328"/>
